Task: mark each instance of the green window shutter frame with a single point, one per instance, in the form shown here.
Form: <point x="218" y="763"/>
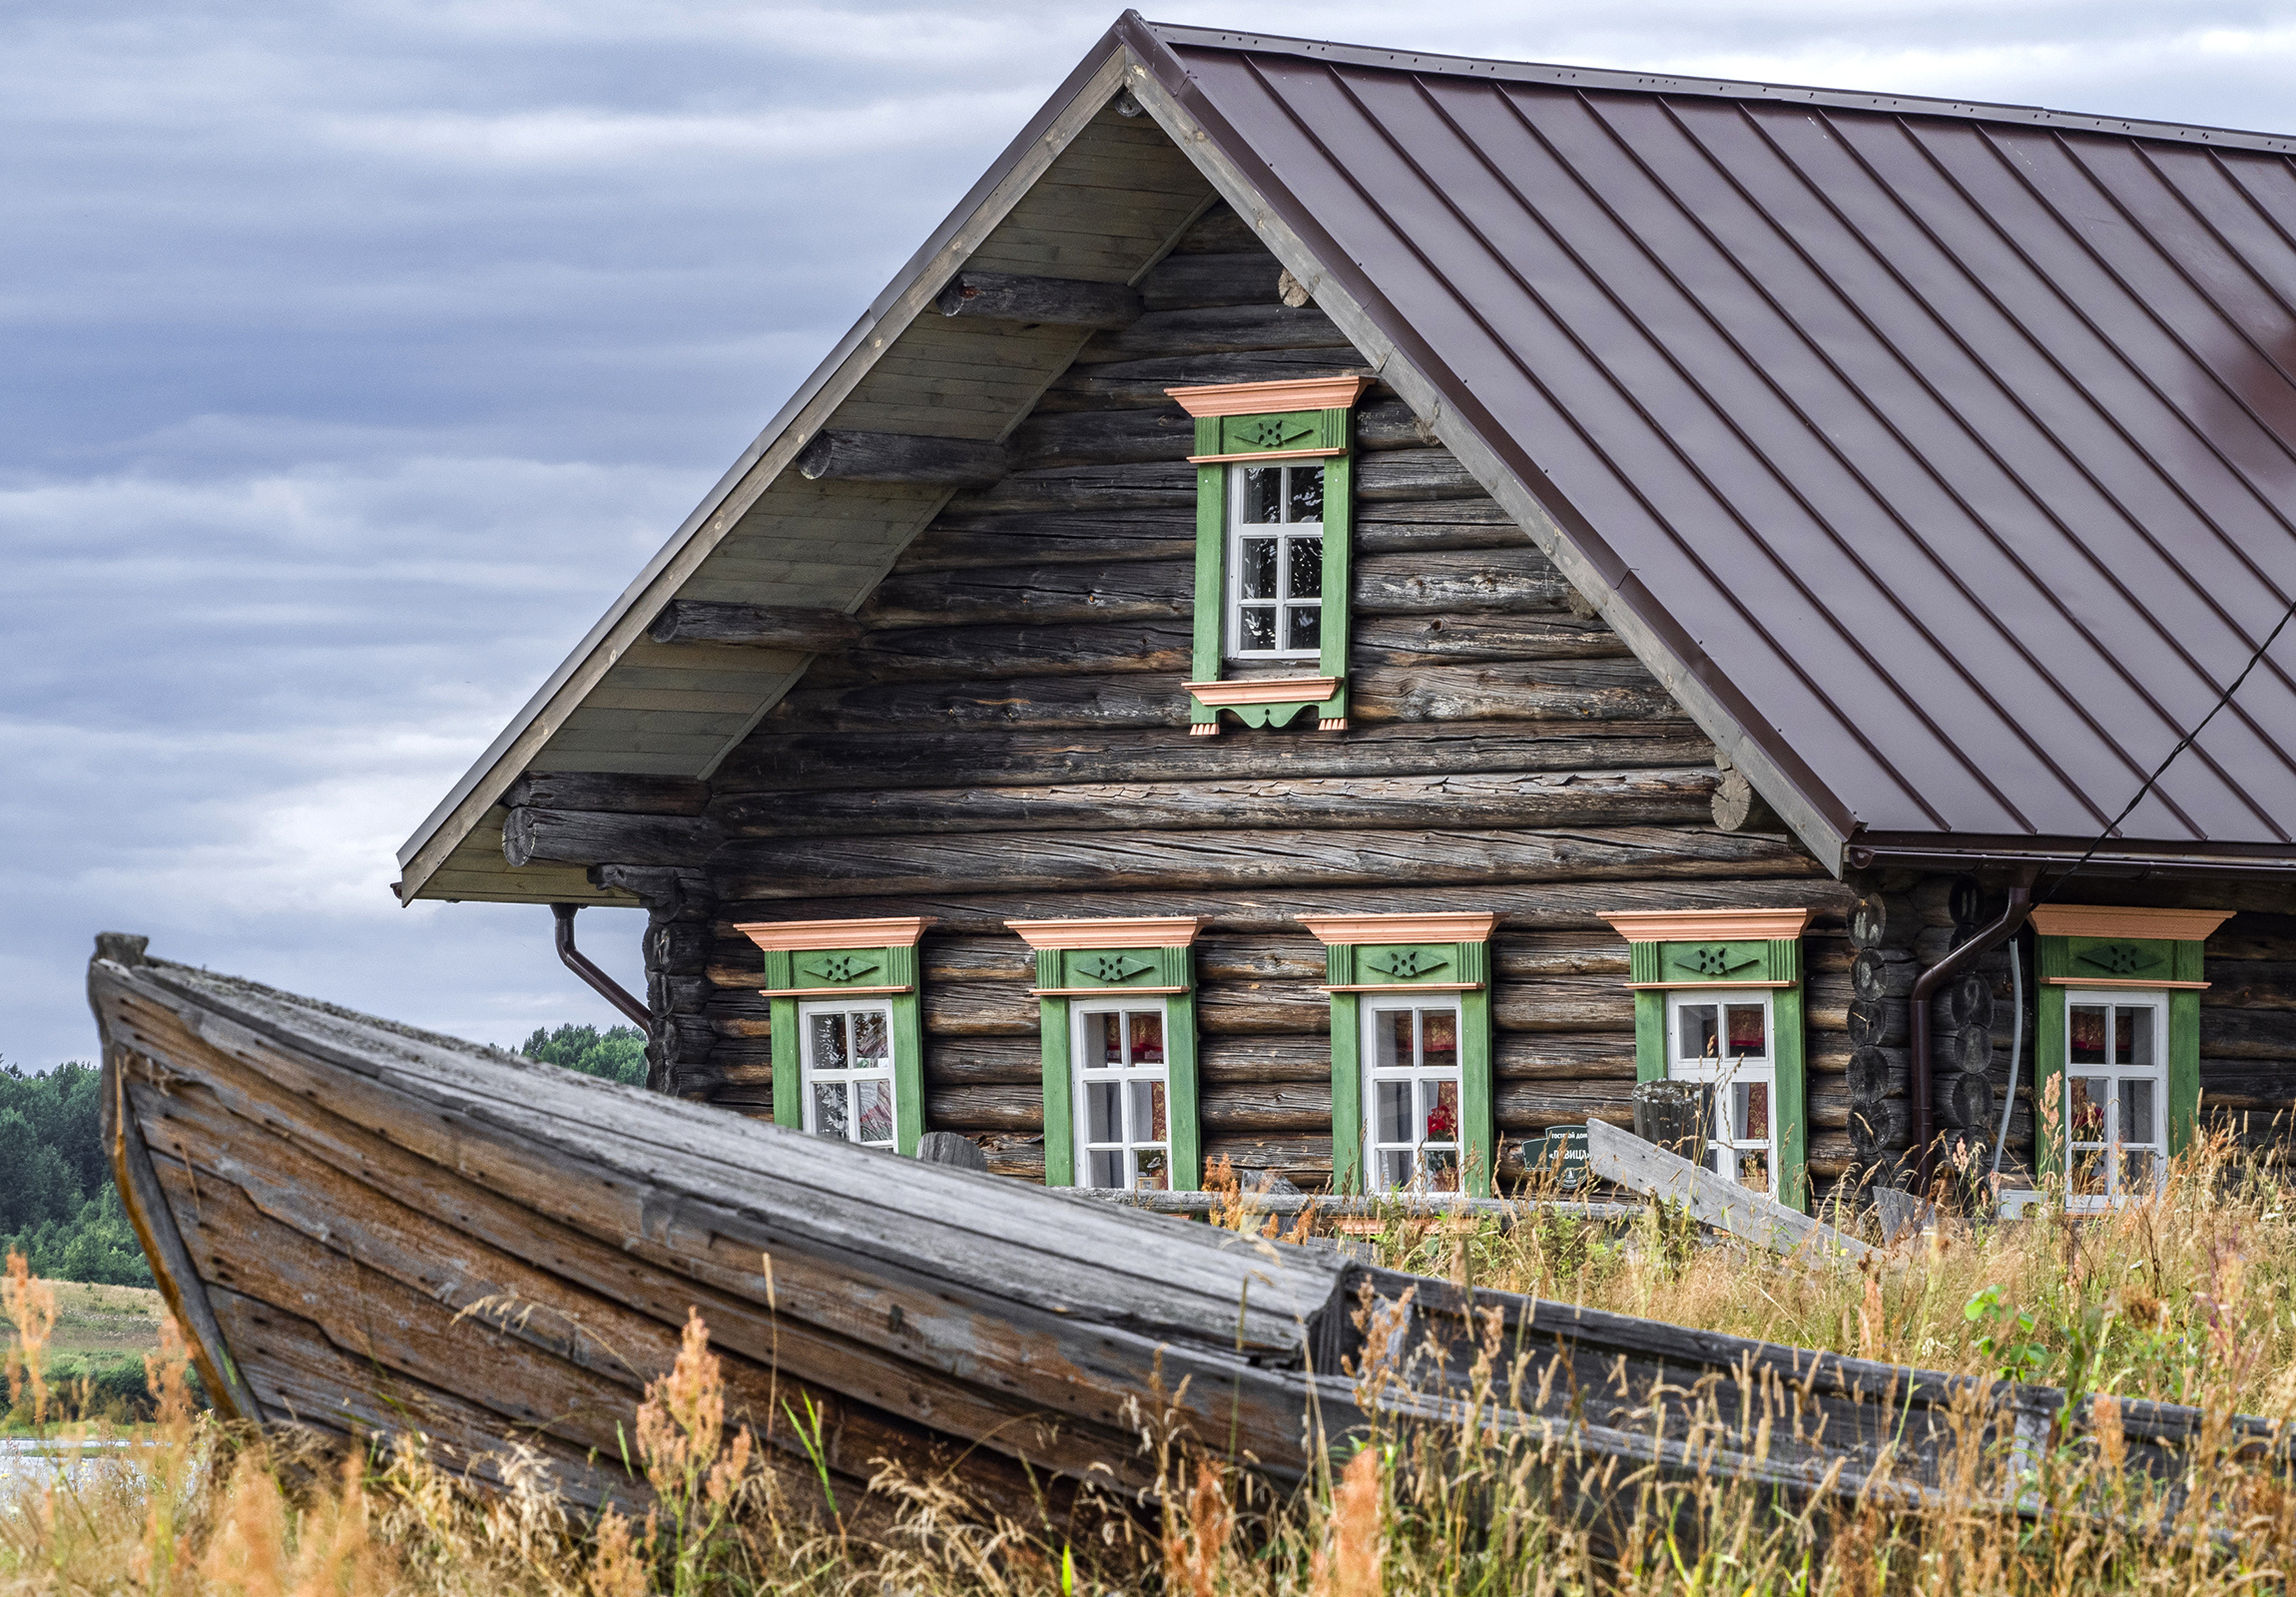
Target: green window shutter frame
<point x="1771" y="964"/>
<point x="1066" y="977"/>
<point x="1459" y="970"/>
<point x="827" y="970"/>
<point x="1240" y="434"/>
<point x="2135" y="964"/>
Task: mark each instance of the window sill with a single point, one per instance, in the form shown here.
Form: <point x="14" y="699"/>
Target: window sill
<point x="1263" y="690"/>
<point x="2126" y="984"/>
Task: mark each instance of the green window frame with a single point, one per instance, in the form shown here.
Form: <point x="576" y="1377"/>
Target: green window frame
<point x="1442" y="957"/>
<point x="2108" y="951"/>
<point x="1083" y="962"/>
<point x="1718" y="951"/>
<point x="863" y="962"/>
<point x="1240" y="425"/>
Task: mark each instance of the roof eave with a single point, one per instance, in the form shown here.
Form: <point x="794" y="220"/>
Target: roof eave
<point x="2121" y="860"/>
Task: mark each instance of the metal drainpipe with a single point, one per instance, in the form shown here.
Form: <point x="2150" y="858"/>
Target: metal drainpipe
<point x="578" y="962"/>
<point x="1924" y="986"/>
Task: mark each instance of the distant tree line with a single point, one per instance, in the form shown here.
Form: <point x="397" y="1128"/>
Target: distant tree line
<point x="58" y="1206"/>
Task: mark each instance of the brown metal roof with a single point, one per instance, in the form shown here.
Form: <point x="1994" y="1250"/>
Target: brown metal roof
<point x="1949" y="448"/>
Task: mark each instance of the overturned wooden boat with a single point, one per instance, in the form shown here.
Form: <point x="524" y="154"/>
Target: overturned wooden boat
<point x="373" y="1230"/>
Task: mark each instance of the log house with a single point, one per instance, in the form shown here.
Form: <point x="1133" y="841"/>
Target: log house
<point x="1331" y="618"/>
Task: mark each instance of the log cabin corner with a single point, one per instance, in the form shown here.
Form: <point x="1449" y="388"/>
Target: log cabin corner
<point x="1347" y="606"/>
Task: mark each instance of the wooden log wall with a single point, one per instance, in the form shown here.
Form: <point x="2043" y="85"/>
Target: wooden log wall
<point x="1008" y="737"/>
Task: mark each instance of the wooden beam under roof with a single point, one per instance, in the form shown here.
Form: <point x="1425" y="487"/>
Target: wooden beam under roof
<point x="796" y="627"/>
<point x="901" y="457"/>
<point x="1046" y="302"/>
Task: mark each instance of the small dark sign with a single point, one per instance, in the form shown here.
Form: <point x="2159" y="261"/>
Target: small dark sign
<point x="1561" y="1149"/>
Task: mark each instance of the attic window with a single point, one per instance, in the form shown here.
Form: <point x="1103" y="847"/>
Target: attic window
<point x="1272" y="491"/>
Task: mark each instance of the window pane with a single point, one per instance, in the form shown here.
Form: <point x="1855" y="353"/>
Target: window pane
<point x="2139" y="1171"/>
<point x="1259" y="628"/>
<point x="2136" y="1112"/>
<point x="2087" y="1173"/>
<point x="1696" y="1036"/>
<point x="1392" y="1039"/>
<point x="1439" y="1039"/>
<point x="2084" y="1106"/>
<point x="1153" y="1171"/>
<point x="1395" y="1168"/>
<point x="1263" y="491"/>
<point x="828" y="1042"/>
<point x="1306" y="630"/>
<point x="1750" y="1110"/>
<point x="1147" y="1038"/>
<point x="1104" y="1169"/>
<point x="869" y="1037"/>
<point x="2086" y="1033"/>
<point x="1748" y="1035"/>
<point x="1256" y="570"/>
<point x="2132" y="1038"/>
<point x="1109" y="1032"/>
<point x="829" y="1109"/>
<point x="1307" y="494"/>
<point x="1147" y="1111"/>
<point x="1753" y="1168"/>
<point x="1391" y="1113"/>
<point x="1103" y="1112"/>
<point x="1442" y="1099"/>
<point x="874" y="1099"/>
<point x="1303" y="565"/>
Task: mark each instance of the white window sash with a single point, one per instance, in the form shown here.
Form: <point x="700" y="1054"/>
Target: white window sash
<point x="1135" y="1144"/>
<point x="1415" y="1075"/>
<point x="1284" y="532"/>
<point x="1728" y="1071"/>
<point x="809" y="1077"/>
<point x="2116" y="1142"/>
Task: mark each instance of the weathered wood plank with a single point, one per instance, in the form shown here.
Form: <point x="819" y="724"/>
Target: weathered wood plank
<point x="901" y="457"/>
<point x="1180" y="282"/>
<point x="773" y="761"/>
<point x="1141" y="383"/>
<point x="1383" y="474"/>
<point x="1512" y="798"/>
<point x="1621" y="1157"/>
<point x="761" y="870"/>
<point x="1054" y="302"/>
<point x="765" y="626"/>
<point x="1217" y="329"/>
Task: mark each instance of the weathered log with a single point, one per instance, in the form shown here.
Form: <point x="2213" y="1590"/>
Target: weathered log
<point x="1883" y="973"/>
<point x="1267" y="1108"/>
<point x="1878" y="1129"/>
<point x="1014" y="1061"/>
<point x="1515" y="798"/>
<point x="957" y="541"/>
<point x="1879" y="1022"/>
<point x="678" y="947"/>
<point x="766" y="626"/>
<point x="1117" y="437"/>
<point x="594" y="836"/>
<point x="1738" y="807"/>
<point x="1948" y="901"/>
<point x="1381" y="474"/>
<point x="1214" y="329"/>
<point x="1002" y="861"/>
<point x="1141" y="383"/>
<point x="1878" y="1073"/>
<point x="610" y="790"/>
<point x="1262" y="1009"/>
<point x="2250" y="983"/>
<point x="1158" y="646"/>
<point x="1185" y="281"/>
<point x="1967" y="1000"/>
<point x="1965" y="1100"/>
<point x="978" y="1009"/>
<point x="974" y="1109"/>
<point x="1883" y="920"/>
<point x="1046" y="302"/>
<point x="899" y="457"/>
<point x="1971" y="1049"/>
<point x="1537" y="690"/>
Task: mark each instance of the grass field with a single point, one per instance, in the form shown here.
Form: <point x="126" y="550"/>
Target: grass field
<point x="2190" y="1298"/>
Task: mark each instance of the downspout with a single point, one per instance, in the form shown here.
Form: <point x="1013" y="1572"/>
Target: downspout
<point x="1925" y="1111"/>
<point x="578" y="962"/>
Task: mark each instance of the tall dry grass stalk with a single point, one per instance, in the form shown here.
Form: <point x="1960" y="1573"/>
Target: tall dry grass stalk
<point x="2189" y="1298"/>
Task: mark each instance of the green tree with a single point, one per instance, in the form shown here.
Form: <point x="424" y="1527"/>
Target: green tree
<point x="618" y="1053"/>
<point x="57" y="1203"/>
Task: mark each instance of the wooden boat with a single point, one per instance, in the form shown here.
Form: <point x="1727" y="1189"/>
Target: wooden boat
<point x="371" y="1229"/>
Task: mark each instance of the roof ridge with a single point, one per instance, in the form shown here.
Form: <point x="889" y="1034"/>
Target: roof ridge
<point x="1618" y="80"/>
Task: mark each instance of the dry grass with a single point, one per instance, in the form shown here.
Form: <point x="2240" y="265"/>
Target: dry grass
<point x="2186" y="1298"/>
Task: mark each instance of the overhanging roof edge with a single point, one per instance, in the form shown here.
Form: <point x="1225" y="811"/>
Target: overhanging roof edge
<point x="469" y="797"/>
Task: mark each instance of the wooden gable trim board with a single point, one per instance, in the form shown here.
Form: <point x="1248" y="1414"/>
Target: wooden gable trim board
<point x="1820" y="823"/>
<point x="774" y="450"/>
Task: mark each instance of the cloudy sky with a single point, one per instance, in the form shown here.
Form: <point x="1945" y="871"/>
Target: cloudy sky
<point x="352" y="357"/>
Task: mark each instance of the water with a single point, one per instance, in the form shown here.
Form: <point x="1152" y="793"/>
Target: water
<point x="30" y="1461"/>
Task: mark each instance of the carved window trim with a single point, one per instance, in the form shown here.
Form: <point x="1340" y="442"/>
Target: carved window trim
<point x="1391" y="955"/>
<point x="835" y="960"/>
<point x="1149" y="958"/>
<point x="1239" y="426"/>
<point x="2086" y="952"/>
<point x="1724" y="950"/>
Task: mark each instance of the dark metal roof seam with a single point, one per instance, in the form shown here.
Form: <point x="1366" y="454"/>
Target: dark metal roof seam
<point x="1781" y="480"/>
<point x="2141" y="373"/>
<point x="1949" y="327"/>
<point x="1180" y="35"/>
<point x="1561" y="325"/>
